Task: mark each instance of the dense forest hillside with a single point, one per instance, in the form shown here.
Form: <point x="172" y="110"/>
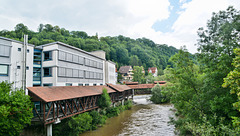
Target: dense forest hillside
<point x="120" y="49"/>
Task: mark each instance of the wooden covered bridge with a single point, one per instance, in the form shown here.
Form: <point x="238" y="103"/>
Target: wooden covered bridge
<point x="52" y="104"/>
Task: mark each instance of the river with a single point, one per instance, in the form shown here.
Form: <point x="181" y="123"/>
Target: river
<point x="144" y="119"/>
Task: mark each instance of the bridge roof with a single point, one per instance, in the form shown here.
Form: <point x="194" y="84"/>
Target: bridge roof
<point x="143" y="86"/>
<point x="56" y="93"/>
<point x="119" y="88"/>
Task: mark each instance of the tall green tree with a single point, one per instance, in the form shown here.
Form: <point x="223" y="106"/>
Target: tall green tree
<point x="15" y="110"/>
<point x="138" y="75"/>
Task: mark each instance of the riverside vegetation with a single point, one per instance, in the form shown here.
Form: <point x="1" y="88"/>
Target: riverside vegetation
<point x="90" y="120"/>
<point x="15" y="110"/>
<point x="204" y="89"/>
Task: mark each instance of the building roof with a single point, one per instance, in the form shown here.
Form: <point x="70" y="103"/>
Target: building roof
<point x="124" y="69"/>
<point x="8" y="39"/>
<point x="70" y="47"/>
<point x="56" y="93"/>
<point x="153" y="69"/>
<point x="119" y="88"/>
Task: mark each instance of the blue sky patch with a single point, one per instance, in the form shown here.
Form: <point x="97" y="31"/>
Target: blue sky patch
<point x="166" y="25"/>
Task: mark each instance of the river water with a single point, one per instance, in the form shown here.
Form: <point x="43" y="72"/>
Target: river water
<point x="144" y="119"/>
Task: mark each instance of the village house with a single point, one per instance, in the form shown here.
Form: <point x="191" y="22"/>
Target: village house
<point x="153" y="70"/>
<point x="126" y="73"/>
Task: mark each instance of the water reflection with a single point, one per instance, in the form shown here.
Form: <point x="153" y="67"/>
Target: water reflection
<point x="145" y="118"/>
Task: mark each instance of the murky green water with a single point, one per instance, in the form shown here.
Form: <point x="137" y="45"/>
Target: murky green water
<point x="145" y="119"/>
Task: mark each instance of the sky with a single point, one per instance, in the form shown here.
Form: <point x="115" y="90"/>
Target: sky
<point x="171" y="22"/>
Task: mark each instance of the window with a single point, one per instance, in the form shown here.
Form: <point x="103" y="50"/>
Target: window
<point x="81" y="73"/>
<point x="3" y="70"/>
<point x="94" y="84"/>
<point x="86" y="84"/>
<point x="27" y="68"/>
<point x="19" y="49"/>
<point x="69" y="72"/>
<point x="48" y="84"/>
<point x="47" y="72"/>
<point x="69" y="57"/>
<point x="47" y="56"/>
<point x="75" y="58"/>
<point x="80" y="60"/>
<point x="27" y="50"/>
<point x="61" y="55"/>
<point x="68" y="84"/>
<point x="91" y="75"/>
<point x="87" y="75"/>
<point x="80" y="84"/>
<point x="5" y="50"/>
<point x="61" y="72"/>
<point x="87" y="63"/>
<point x="18" y="67"/>
<point x="101" y="84"/>
<point x="75" y="73"/>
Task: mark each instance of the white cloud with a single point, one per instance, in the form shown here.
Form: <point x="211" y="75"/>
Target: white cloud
<point x="132" y="18"/>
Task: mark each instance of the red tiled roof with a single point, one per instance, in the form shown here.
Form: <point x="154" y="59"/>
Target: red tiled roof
<point x="153" y="69"/>
<point x="57" y="93"/>
<point x="124" y="69"/>
<point x="119" y="88"/>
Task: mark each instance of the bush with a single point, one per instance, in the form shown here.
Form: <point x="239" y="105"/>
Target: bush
<point x="97" y="119"/>
<point x="128" y="104"/>
<point x="80" y="123"/>
<point x="112" y="111"/>
<point x="104" y="101"/>
<point x="158" y="95"/>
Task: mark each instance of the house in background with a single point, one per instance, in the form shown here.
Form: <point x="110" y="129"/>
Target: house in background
<point x="126" y="73"/>
<point x="153" y="70"/>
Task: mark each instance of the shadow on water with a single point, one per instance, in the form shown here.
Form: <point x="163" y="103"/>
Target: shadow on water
<point x="144" y="118"/>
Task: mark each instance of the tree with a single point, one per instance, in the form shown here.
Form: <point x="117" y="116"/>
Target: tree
<point x="15" y="110"/>
<point x="134" y="61"/>
<point x="138" y="75"/>
<point x="233" y="81"/>
<point x="104" y="101"/>
<point x="159" y="95"/>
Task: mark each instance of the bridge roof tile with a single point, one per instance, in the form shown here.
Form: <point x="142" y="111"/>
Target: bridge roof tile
<point x="56" y="93"/>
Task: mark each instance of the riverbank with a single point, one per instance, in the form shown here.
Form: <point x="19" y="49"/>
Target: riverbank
<point x="145" y="118"/>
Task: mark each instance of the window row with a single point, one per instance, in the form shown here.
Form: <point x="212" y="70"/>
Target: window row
<point x="93" y="75"/>
<point x="68" y="72"/>
<point x="75" y="73"/>
<point x="70" y="57"/>
<point x="93" y="63"/>
<point x="78" y="59"/>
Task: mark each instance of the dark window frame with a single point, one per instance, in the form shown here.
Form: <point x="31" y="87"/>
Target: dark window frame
<point x="49" y="58"/>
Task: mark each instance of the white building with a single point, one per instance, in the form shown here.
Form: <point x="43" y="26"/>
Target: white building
<point x="65" y="65"/>
<point x="12" y="62"/>
<point x="110" y="70"/>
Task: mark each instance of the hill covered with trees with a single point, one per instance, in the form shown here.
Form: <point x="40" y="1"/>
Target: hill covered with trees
<point x="119" y="49"/>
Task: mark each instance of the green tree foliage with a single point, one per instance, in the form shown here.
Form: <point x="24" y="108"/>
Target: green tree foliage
<point x="233" y="81"/>
<point x="120" y="49"/>
<point x="15" y="110"/>
<point x="159" y="95"/>
<point x="104" y="101"/>
<point x="203" y="105"/>
<point x="80" y="124"/>
<point x="138" y="75"/>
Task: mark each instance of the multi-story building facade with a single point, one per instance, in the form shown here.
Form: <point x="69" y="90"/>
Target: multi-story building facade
<point x="12" y="62"/>
<point x="65" y="65"/>
<point x="53" y="64"/>
<point x="126" y="72"/>
<point x="110" y="71"/>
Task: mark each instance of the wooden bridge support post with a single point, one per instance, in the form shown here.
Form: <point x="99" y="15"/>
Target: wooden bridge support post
<point x="49" y="130"/>
<point x="132" y="93"/>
